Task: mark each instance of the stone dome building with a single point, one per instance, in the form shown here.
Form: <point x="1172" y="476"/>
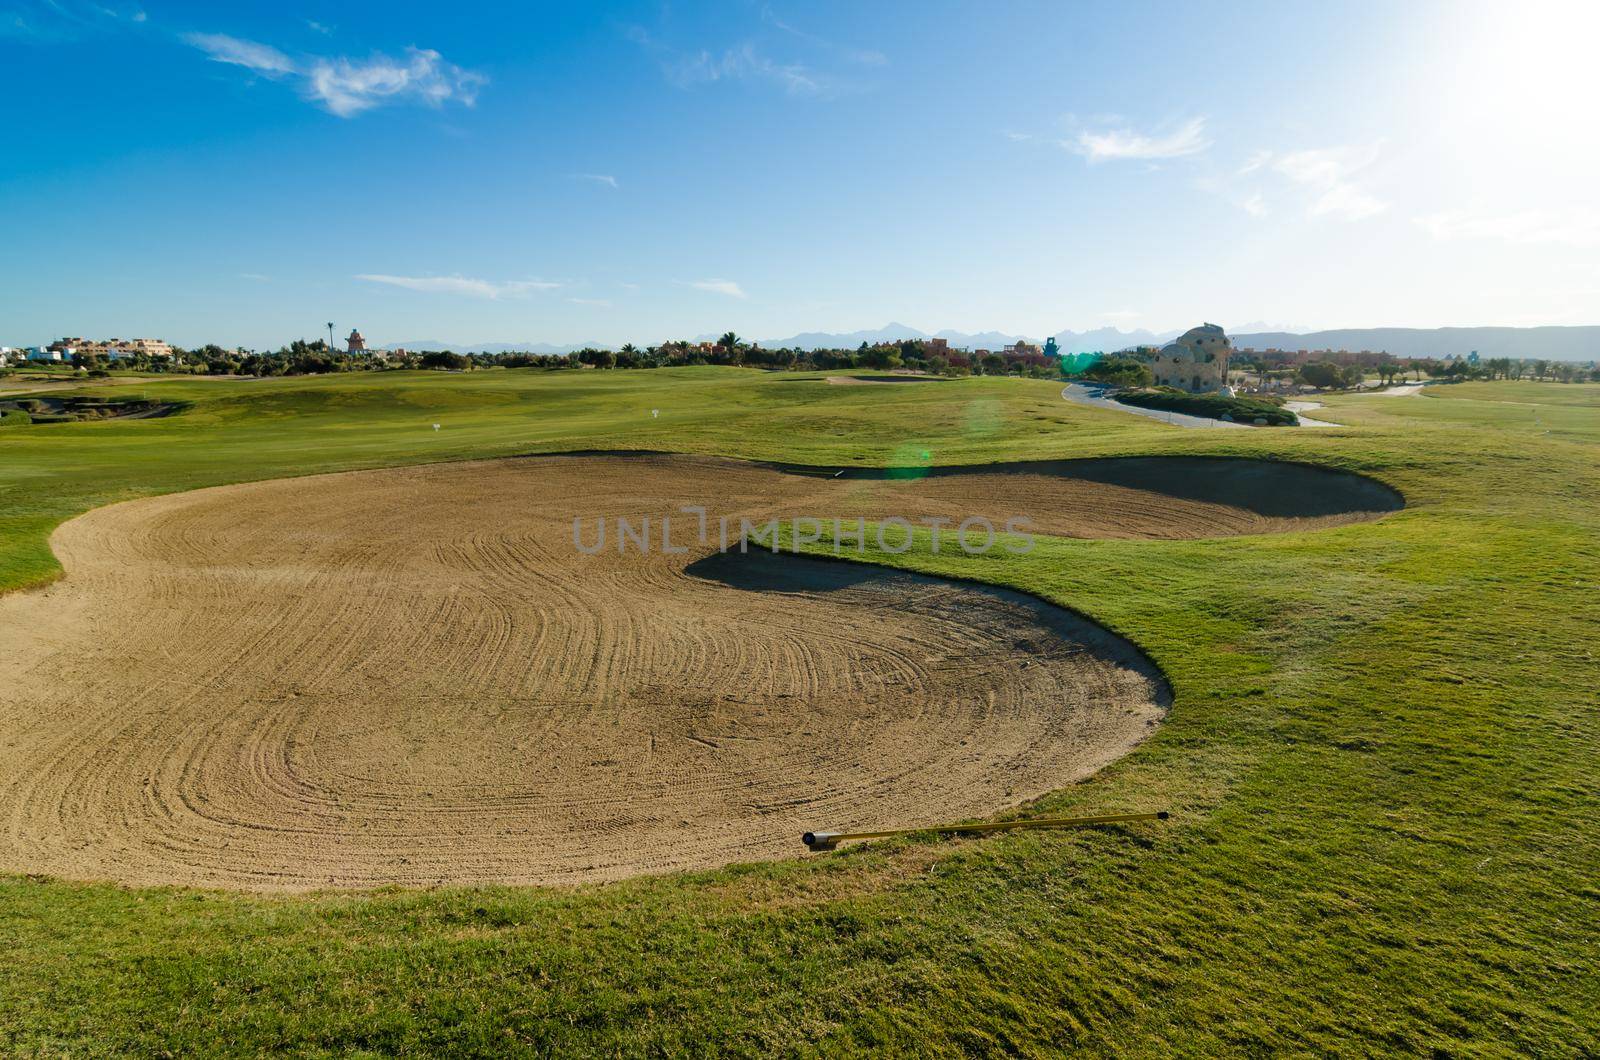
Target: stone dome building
<point x="1196" y="361"/>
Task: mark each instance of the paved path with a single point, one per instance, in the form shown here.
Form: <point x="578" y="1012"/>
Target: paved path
<point x="1300" y="408"/>
<point x="1085" y="394"/>
<point x="1088" y="394"/>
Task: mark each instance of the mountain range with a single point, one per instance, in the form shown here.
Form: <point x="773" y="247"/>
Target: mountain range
<point x="1575" y="343"/>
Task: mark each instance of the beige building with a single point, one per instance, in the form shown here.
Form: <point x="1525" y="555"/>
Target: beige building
<point x="1196" y="361"/>
<point x="115" y="349"/>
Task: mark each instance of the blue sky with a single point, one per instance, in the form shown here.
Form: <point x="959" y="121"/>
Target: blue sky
<point x="242" y="173"/>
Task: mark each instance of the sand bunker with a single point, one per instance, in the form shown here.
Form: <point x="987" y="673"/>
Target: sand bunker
<point x="874" y="380"/>
<point x="412" y="676"/>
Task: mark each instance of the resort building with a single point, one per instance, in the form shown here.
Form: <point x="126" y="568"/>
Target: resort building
<point x="1196" y="361"/>
<point x="114" y="349"/>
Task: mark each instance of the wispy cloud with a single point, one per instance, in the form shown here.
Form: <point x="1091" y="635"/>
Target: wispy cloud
<point x="600" y="302"/>
<point x="862" y="56"/>
<point x="463" y="285"/>
<point x="318" y="27"/>
<point x="739" y="64"/>
<point x="1534" y="227"/>
<point x="258" y="277"/>
<point x="1329" y="173"/>
<point x="598" y="178"/>
<point x="252" y="55"/>
<point x="745" y="62"/>
<point x="727" y="287"/>
<point x="1254" y="163"/>
<point x="56" y="21"/>
<point x="1116" y="144"/>
<point x="347" y="87"/>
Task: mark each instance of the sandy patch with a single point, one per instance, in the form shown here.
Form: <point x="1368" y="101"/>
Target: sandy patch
<point x="412" y="676"/>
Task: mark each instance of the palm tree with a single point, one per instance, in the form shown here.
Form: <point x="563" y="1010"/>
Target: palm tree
<point x="730" y="341"/>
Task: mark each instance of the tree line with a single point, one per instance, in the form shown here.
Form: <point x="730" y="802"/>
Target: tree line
<point x="316" y="357"/>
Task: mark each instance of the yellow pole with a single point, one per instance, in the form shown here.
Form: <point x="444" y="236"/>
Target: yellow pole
<point x="829" y="840"/>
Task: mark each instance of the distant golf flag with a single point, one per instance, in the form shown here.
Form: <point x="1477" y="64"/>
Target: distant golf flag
<point x="654" y="413"/>
<point x="435" y="426"/>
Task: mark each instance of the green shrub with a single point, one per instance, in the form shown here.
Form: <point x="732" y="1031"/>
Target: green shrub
<point x="14" y="418"/>
<point x="1120" y="371"/>
<point x="1214" y="406"/>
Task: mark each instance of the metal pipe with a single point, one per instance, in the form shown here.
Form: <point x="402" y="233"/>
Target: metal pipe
<point x="829" y="840"/>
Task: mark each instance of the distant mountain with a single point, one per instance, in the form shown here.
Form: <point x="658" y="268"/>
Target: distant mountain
<point x="828" y="340"/>
<point x="1069" y="341"/>
<point x="1580" y="343"/>
<point x="1109" y="340"/>
<point x="985" y="340"/>
<point x="492" y="347"/>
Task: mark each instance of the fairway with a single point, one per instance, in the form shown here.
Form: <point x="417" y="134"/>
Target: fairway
<point x="1380" y="782"/>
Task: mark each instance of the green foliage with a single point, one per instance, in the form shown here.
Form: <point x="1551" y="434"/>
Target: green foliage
<point x="1380" y="762"/>
<point x="444" y="359"/>
<point x="1119" y="371"/>
<point x="1214" y="406"/>
<point x="1325" y="375"/>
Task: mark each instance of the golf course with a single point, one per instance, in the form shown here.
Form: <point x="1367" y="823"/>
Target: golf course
<point x="275" y="666"/>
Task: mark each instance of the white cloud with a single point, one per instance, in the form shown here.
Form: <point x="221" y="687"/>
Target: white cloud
<point x="461" y="285"/>
<point x="864" y="56"/>
<point x="727" y="287"/>
<point x="600" y="302"/>
<point x="318" y="27"/>
<point x="347" y="88"/>
<point x="1125" y="143"/>
<point x="1579" y="229"/>
<point x="262" y="58"/>
<point x="1255" y="206"/>
<point x="742" y="63"/>
<point x="1328" y="172"/>
<point x="1253" y="163"/>
<point x="598" y="178"/>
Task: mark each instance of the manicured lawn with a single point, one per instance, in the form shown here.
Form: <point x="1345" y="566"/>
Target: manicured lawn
<point x="1381" y="763"/>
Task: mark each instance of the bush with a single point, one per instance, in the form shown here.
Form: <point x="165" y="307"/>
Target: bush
<point x="14" y="418"/>
<point x="444" y="359"/>
<point x="1324" y="375"/>
<point x="1214" y="406"/>
<point x="1119" y="371"/>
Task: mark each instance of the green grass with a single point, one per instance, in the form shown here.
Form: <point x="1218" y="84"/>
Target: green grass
<point x="1381" y="762"/>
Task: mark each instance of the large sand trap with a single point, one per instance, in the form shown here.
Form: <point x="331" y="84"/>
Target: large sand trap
<point x="412" y="676"/>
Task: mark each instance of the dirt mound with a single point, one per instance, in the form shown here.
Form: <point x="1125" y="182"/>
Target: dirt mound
<point x="414" y="676"/>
